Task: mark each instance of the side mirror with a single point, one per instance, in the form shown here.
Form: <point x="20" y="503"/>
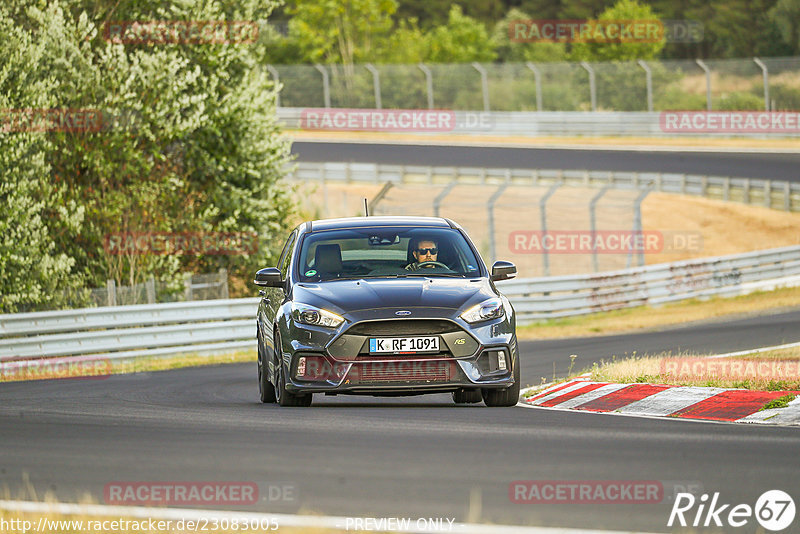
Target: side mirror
<point x="269" y="277"/>
<point x="503" y="270"/>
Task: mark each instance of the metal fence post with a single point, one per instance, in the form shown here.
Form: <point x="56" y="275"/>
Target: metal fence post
<point x="223" y="283"/>
<point x="490" y="214"/>
<point x="705" y="68"/>
<point x="543" y="224"/>
<point x="649" y="76"/>
<point x="592" y="88"/>
<point x="787" y="196"/>
<point x="428" y="83"/>
<point x="437" y="201"/>
<point x="150" y="289"/>
<point x="537" y="75"/>
<point x="765" y="72"/>
<point x="187" y="286"/>
<point x="326" y="86"/>
<point x="111" y="292"/>
<point x="637" y="228"/>
<point x="373" y="204"/>
<point x="376" y="83"/>
<point x="593" y="223"/>
<point x="272" y="70"/>
<point x="484" y="84"/>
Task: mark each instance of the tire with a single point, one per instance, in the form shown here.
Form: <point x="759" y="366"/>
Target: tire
<point x="467" y="396"/>
<point x="283" y="397"/>
<point x="504" y="397"/>
<point x="266" y="391"/>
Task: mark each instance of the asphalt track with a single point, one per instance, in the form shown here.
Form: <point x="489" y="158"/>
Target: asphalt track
<point x="773" y="166"/>
<point x="405" y="457"/>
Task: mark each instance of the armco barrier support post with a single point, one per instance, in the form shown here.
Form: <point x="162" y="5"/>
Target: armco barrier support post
<point x="765" y="72"/>
<point x="537" y="75"/>
<point x="490" y="214"/>
<point x="543" y="224"/>
<point x="326" y="86"/>
<point x="428" y="83"/>
<point x="705" y="68"/>
<point x="223" y="281"/>
<point x="592" y="87"/>
<point x="272" y="70"/>
<point x="484" y="84"/>
<point x="376" y="83"/>
<point x="593" y="223"/>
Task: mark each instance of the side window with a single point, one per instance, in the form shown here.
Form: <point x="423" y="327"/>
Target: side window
<point x="286" y="256"/>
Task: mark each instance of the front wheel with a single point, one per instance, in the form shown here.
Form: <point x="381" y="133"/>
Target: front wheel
<point x="266" y="391"/>
<point x="283" y="397"/>
<point x="504" y="397"/>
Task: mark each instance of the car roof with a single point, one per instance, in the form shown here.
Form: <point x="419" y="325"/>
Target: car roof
<point x="375" y="222"/>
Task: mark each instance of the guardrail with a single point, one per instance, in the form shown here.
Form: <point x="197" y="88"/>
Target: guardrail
<point x="564" y="296"/>
<point x="774" y="194"/>
<point x="562" y="123"/>
<point x="130" y="331"/>
<point x="222" y="325"/>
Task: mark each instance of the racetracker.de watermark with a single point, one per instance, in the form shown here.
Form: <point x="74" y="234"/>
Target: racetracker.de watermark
<point x="197" y="493"/>
<point x="51" y="120"/>
<point x="723" y="368"/>
<point x="603" y="242"/>
<point x="604" y="31"/>
<point x="730" y="122"/>
<point x="394" y="120"/>
<point x="53" y="369"/>
<point x="195" y="32"/>
<point x="187" y="243"/>
<point x="586" y="491"/>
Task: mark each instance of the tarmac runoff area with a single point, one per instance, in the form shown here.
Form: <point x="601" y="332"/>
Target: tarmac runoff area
<point x="653" y="400"/>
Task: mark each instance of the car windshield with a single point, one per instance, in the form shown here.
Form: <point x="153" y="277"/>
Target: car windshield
<point x="386" y="252"/>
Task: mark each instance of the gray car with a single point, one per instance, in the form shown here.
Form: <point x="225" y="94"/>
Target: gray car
<point x="385" y="306"/>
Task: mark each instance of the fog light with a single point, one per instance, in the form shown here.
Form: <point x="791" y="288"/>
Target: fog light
<point x="301" y="366"/>
<point x="501" y="360"/>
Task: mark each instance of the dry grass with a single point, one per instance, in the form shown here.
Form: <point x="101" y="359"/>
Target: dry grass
<point x="132" y="365"/>
<point x="610" y="141"/>
<point x="680" y="370"/>
<point x="647" y="317"/>
<point x="725" y="227"/>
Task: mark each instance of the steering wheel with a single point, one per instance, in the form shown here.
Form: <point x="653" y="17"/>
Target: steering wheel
<point x="432" y="264"/>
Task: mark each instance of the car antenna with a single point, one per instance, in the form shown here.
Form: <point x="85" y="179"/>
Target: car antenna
<point x="366" y="208"/>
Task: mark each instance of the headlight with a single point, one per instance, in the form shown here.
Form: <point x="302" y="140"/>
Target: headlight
<point x="488" y="309"/>
<point x="303" y="313"/>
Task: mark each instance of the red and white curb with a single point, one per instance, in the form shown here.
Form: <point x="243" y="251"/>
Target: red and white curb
<point x="653" y="400"/>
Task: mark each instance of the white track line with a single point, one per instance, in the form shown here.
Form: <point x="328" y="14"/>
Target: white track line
<point x="756" y="351"/>
<point x="283" y="520"/>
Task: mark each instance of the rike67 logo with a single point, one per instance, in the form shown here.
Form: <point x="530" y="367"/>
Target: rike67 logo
<point x="774" y="511"/>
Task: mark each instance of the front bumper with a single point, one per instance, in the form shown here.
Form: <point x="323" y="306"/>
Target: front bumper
<point x="470" y="356"/>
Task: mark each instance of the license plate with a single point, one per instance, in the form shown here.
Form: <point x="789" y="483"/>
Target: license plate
<point x="378" y="345"/>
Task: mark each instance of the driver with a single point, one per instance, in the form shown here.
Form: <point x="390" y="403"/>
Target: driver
<point x="423" y="250"/>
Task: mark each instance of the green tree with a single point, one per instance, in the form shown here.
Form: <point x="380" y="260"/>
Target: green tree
<point x="462" y="39"/>
<point x="509" y="50"/>
<point x="620" y="51"/>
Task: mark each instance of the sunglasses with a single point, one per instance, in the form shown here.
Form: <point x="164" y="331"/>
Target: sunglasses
<point x="424" y="251"/>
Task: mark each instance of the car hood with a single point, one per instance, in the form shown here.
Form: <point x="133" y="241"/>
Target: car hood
<point x="342" y="296"/>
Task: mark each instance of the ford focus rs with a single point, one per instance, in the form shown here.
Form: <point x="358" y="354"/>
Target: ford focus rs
<point x="385" y="306"/>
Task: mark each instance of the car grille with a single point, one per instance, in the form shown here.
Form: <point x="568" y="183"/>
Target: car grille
<point x="437" y="371"/>
<point x="403" y="327"/>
